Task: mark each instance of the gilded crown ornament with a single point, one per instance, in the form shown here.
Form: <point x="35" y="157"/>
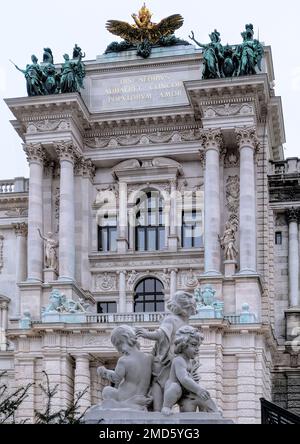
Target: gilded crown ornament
<point x="144" y="33"/>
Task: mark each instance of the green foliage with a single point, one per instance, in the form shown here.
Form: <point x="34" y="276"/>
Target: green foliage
<point x="10" y="402"/>
<point x="70" y="415"/>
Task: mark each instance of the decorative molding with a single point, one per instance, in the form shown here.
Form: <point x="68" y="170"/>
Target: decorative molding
<point x="17" y="212"/>
<point x="247" y="136"/>
<point x="35" y="152"/>
<point x="188" y="279"/>
<point x="57" y="208"/>
<point x="105" y="282"/>
<point x="1" y="253"/>
<point x="232" y="159"/>
<point x="47" y="126"/>
<point x="233" y="195"/>
<point x="159" y="137"/>
<point x="21" y="229"/>
<point x="228" y="109"/>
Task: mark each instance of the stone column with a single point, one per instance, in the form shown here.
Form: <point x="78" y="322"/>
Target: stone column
<point x="248" y="144"/>
<point x="36" y="157"/>
<point x="173" y="237"/>
<point x="67" y="156"/>
<point x="173" y="282"/>
<point x="83" y="381"/>
<point x="85" y="170"/>
<point x="21" y="230"/>
<point x="3" y="325"/>
<point x="213" y="143"/>
<point x="122" y="292"/>
<point x="292" y="216"/>
<point x="123" y="218"/>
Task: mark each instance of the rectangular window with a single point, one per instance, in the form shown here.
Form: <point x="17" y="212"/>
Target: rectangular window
<point x="192" y="229"/>
<point x="107" y="235"/>
<point x="278" y="238"/>
<point x="106" y="307"/>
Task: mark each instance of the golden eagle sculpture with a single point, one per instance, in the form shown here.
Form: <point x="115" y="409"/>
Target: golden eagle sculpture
<point x="144" y="33"/>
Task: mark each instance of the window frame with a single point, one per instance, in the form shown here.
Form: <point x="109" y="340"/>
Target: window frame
<point x="159" y="229"/>
<point x="158" y="296"/>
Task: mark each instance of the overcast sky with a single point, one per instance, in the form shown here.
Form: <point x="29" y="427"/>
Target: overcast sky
<point x="26" y="27"/>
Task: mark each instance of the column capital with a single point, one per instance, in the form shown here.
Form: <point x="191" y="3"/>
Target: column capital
<point x="66" y="151"/>
<point x="247" y="137"/>
<point x="35" y="153"/>
<point x="21" y="229"/>
<point x="293" y="214"/>
<point x="212" y="139"/>
<point x="85" y="168"/>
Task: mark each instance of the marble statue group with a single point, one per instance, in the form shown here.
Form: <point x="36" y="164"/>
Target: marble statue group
<point x="45" y="79"/>
<point x="167" y="377"/>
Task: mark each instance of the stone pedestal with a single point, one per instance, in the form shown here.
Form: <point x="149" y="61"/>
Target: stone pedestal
<point x="230" y="268"/>
<point x="50" y="275"/>
<point x="97" y="416"/>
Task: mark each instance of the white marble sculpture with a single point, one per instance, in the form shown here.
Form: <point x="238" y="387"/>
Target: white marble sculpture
<point x="182" y="306"/>
<point x="182" y="387"/>
<point x="132" y="376"/>
<point x="51" y="245"/>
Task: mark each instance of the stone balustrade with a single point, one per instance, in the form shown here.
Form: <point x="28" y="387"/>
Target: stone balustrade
<point x="17" y="185"/>
<point x="124" y="318"/>
<point x="288" y="166"/>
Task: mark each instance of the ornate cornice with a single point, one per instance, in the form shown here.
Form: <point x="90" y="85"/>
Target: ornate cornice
<point x="247" y="137"/>
<point x="212" y="139"/>
<point x="35" y="153"/>
<point x="21" y="229"/>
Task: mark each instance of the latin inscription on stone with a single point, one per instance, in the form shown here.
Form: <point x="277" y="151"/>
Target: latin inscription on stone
<point x="137" y="91"/>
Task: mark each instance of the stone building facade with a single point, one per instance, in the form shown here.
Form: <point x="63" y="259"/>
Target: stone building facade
<point x="137" y="179"/>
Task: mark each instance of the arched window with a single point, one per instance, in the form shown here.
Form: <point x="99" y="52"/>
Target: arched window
<point x="149" y="296"/>
<point x="150" y="224"/>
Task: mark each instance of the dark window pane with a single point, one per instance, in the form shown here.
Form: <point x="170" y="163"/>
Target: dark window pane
<point x="139" y="307"/>
<point x="278" y="238"/>
<point x="160" y="306"/>
<point x="141" y="239"/>
<point x="149" y="285"/>
<point x="162" y="238"/>
<point x="159" y="287"/>
<point x="151" y="298"/>
<point x="151" y="239"/>
<point x="113" y="239"/>
<point x="149" y="307"/>
<point x="106" y="307"/>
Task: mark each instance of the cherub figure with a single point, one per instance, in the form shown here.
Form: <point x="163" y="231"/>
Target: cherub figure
<point x="132" y="375"/>
<point x="182" y="306"/>
<point x="182" y="386"/>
